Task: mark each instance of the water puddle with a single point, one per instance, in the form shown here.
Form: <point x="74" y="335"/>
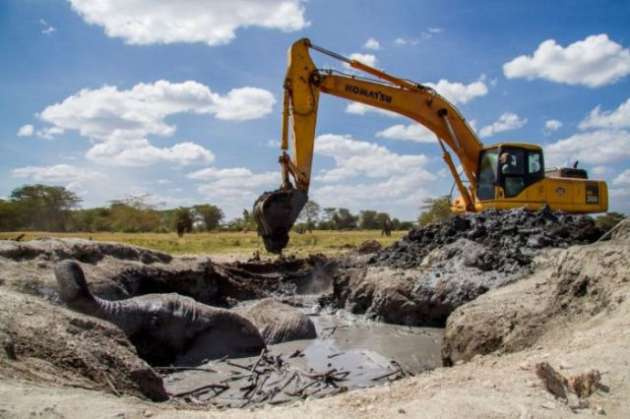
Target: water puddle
<point x="350" y="352"/>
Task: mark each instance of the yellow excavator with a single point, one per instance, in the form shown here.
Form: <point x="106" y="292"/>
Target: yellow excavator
<point x="500" y="176"/>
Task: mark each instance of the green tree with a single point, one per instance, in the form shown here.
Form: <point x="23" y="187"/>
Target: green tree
<point x="326" y="220"/>
<point x="10" y="219"/>
<point x="183" y="221"/>
<point x="368" y="220"/>
<point x="43" y="207"/>
<point x="435" y="210"/>
<point x="343" y="219"/>
<point x="211" y="215"/>
<point x="310" y="215"/>
<point x="134" y="215"/>
<point x="91" y="219"/>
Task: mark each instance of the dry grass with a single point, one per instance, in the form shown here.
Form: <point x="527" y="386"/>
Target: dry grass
<point x="320" y="241"/>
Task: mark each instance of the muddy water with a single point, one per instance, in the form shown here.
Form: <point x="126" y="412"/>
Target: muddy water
<point x="366" y="352"/>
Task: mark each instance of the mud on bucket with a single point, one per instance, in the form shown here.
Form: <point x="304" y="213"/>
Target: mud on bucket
<point x="275" y="213"/>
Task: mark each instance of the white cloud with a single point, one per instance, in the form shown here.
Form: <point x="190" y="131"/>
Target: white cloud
<point x="413" y="132"/>
<point x="142" y="110"/>
<point x="552" y="125"/>
<point x="57" y="173"/>
<point x="595" y="147"/>
<point x="435" y="30"/>
<point x="243" y="104"/>
<point x="72" y="177"/>
<point x="367" y="175"/>
<point x="49" y="133"/>
<point x="138" y="153"/>
<point x="213" y="22"/>
<point x="403" y="193"/>
<point x="619" y="118"/>
<point x="507" y="122"/>
<point x="234" y="188"/>
<point x="593" y="62"/>
<point x="372" y="43"/>
<point x="26" y="131"/>
<point x="406" y="41"/>
<point x="47" y="29"/>
<point x="457" y="92"/>
<point x="360" y="158"/>
<point x="600" y="170"/>
<point x="369" y="59"/>
<point x="357" y="108"/>
<point x="120" y="120"/>
<point x="623" y="179"/>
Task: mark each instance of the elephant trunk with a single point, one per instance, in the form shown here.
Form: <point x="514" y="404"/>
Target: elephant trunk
<point x="74" y="291"/>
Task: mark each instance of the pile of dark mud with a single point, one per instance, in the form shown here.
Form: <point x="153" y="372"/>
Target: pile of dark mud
<point x="422" y="278"/>
<point x="510" y="239"/>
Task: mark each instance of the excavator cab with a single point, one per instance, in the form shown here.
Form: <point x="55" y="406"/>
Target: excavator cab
<point x="506" y="170"/>
<point x="513" y="175"/>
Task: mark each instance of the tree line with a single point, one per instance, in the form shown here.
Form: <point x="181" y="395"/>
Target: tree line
<point x="54" y="208"/>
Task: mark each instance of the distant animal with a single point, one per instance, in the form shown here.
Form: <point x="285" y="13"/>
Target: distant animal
<point x="165" y="328"/>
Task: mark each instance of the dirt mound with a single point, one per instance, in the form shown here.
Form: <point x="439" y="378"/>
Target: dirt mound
<point x="116" y="271"/>
<point x="422" y="278"/>
<point x="581" y="283"/>
<point x="83" y="250"/>
<point x="369" y="246"/>
<point x="45" y="343"/>
<point x="509" y="238"/>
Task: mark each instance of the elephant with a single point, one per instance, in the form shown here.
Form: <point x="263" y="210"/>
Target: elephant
<point x="165" y="328"/>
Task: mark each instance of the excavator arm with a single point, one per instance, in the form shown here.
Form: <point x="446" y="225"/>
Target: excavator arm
<point x="276" y="211"/>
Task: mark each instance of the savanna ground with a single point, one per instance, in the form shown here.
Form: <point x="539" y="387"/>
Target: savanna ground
<point x="228" y="243"/>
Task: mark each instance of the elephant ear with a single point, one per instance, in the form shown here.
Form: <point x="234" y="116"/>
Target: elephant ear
<point x="73" y="288"/>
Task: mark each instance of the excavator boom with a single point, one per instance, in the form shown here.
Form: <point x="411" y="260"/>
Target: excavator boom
<point x="276" y="211"/>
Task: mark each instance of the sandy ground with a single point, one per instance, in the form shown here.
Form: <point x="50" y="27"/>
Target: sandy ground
<point x="490" y="386"/>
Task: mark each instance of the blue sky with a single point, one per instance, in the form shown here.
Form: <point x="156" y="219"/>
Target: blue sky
<point x="182" y="103"/>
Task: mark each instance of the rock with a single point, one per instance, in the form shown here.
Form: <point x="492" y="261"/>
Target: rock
<point x="278" y="322"/>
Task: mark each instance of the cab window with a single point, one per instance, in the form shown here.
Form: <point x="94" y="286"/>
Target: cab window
<point x="534" y="163"/>
<point x="487" y="174"/>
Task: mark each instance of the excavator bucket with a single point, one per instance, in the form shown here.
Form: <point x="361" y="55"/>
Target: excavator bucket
<point x="275" y="213"/>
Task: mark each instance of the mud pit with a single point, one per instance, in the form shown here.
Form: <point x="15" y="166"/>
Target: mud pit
<point x="349" y="351"/>
<point x="353" y="301"/>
